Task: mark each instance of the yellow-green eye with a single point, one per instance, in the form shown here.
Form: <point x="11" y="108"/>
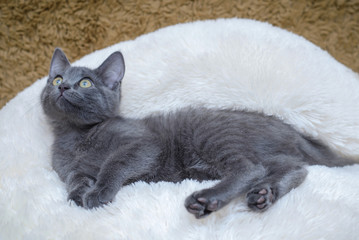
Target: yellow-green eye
<point x="57" y="81"/>
<point x="85" y="83"/>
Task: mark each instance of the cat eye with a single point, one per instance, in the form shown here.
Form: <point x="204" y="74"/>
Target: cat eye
<point x="85" y="83"/>
<point x="57" y="81"/>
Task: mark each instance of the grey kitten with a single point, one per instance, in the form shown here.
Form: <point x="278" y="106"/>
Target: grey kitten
<point x="96" y="151"/>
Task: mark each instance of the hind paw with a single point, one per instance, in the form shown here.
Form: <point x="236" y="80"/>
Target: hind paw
<point x="201" y="206"/>
<point x="260" y="198"/>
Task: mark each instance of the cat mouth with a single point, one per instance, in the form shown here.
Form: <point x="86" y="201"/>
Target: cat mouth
<point x="62" y="98"/>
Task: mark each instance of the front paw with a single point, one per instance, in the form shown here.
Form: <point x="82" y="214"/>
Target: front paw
<point x="97" y="197"/>
<point x="76" y="196"/>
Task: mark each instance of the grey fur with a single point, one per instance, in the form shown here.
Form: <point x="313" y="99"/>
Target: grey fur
<point x="96" y="151"/>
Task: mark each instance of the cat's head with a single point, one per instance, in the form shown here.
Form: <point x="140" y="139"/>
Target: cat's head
<point x="82" y="96"/>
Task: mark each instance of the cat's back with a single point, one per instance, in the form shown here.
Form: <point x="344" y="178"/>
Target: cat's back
<point x="190" y="123"/>
<point x="199" y="117"/>
<point x="196" y="140"/>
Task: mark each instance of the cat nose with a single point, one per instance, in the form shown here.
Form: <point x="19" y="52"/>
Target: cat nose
<point x="63" y="87"/>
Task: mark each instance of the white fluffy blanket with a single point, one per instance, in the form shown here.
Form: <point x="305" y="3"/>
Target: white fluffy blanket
<point x="224" y="63"/>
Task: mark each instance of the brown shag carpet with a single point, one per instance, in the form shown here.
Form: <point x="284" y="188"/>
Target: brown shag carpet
<point x="30" y="30"/>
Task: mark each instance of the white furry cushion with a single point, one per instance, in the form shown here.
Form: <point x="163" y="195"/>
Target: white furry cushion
<point x="225" y="63"/>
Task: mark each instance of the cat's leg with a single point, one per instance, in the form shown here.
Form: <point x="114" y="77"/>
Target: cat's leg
<point x="77" y="185"/>
<point x="263" y="184"/>
<point x="126" y="165"/>
<point x="282" y="177"/>
<point x="206" y="201"/>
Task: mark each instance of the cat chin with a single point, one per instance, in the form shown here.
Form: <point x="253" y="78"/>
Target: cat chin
<point x="61" y="107"/>
<point x="62" y="103"/>
<point x="68" y="112"/>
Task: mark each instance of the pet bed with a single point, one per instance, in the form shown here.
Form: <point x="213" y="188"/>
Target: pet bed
<point x="225" y="63"/>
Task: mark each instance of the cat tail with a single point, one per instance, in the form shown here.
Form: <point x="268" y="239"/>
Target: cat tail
<point x="317" y="153"/>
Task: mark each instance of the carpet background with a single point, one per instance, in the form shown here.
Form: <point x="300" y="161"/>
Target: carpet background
<point x="30" y="30"/>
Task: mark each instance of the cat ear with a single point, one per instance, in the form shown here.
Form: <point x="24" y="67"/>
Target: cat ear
<point x="59" y="63"/>
<point x="112" y="70"/>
